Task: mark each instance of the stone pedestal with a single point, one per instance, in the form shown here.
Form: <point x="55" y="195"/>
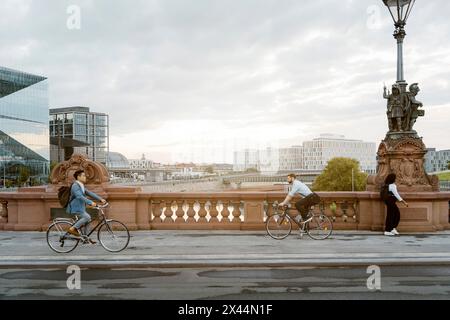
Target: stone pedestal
<point x="403" y="153"/>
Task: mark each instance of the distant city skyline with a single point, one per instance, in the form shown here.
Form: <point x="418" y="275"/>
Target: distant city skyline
<point x="185" y="80"/>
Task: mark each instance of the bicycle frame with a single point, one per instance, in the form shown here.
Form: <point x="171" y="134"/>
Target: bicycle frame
<point x="102" y="221"/>
<point x="300" y="224"/>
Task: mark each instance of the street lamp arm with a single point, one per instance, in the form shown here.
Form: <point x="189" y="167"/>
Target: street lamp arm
<point x="408" y="11"/>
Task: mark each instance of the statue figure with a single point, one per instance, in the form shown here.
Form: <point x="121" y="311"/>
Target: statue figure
<point x="395" y="108"/>
<point x="412" y="110"/>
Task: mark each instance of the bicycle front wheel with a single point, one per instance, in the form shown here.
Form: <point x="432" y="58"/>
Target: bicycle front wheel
<point x="320" y="227"/>
<point x="278" y="226"/>
<point x="58" y="239"/>
<point x="113" y="235"/>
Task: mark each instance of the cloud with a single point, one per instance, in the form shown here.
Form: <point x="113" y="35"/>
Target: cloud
<point x="163" y="69"/>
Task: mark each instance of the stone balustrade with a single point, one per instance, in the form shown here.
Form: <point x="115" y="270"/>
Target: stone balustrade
<point x="29" y="209"/>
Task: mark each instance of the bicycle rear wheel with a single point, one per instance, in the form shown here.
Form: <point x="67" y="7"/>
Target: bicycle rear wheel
<point x="113" y="235"/>
<point x="278" y="226"/>
<point x="320" y="227"/>
<point x="58" y="239"/>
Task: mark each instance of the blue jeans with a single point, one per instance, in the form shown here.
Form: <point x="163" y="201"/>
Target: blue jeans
<point x="83" y="218"/>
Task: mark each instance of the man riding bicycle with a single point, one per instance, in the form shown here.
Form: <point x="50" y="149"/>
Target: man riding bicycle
<point x="304" y="204"/>
<point x="78" y="201"/>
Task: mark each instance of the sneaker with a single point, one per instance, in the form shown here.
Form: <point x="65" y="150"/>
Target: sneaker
<point x="394" y="231"/>
<point x="387" y="233"/>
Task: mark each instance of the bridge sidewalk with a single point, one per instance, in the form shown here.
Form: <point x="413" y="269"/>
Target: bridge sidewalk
<point x="232" y="249"/>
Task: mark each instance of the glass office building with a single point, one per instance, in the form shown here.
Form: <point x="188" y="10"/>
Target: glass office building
<point x="24" y="138"/>
<point x="77" y="130"/>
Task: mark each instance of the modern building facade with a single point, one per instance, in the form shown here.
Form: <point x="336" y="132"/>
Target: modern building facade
<point x="24" y="137"/>
<point x="436" y="160"/>
<point x="317" y="152"/>
<point x="78" y="130"/>
<point x="311" y="156"/>
<point x="291" y="158"/>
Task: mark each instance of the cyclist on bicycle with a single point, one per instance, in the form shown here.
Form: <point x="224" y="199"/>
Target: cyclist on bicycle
<point x="304" y="204"/>
<point x="78" y="201"/>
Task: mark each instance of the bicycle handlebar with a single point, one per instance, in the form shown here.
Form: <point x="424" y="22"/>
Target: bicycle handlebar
<point x="100" y="206"/>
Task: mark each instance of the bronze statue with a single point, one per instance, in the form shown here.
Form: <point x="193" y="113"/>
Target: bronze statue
<point x="395" y="108"/>
<point x="413" y="105"/>
<point x="402" y="108"/>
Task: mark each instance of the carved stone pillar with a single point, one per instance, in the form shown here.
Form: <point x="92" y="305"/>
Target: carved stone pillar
<point x="403" y="154"/>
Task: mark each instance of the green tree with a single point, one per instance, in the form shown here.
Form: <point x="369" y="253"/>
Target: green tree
<point x="251" y="170"/>
<point x="448" y="165"/>
<point x="337" y="176"/>
<point x="209" y="169"/>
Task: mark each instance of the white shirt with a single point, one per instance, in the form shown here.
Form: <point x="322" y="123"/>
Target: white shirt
<point x="299" y="187"/>
<point x="393" y="189"/>
<point x="81" y="185"/>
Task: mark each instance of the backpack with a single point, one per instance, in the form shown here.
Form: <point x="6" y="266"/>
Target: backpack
<point x="384" y="192"/>
<point x="64" y="195"/>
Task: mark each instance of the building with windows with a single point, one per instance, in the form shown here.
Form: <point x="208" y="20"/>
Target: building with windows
<point x="78" y="130"/>
<point x="436" y="160"/>
<point x="317" y="152"/>
<point x="24" y="139"/>
<point x="141" y="163"/>
<point x="291" y="159"/>
<point x="311" y="156"/>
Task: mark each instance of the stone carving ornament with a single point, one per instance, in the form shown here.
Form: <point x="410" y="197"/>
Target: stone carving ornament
<point x="96" y="173"/>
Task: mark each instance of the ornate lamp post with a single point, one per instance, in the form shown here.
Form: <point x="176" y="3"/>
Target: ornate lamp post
<point x="402" y="150"/>
<point x="400" y="10"/>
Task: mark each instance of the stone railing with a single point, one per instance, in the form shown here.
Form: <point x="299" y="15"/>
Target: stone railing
<point x="444" y="185"/>
<point x="3" y="211"/>
<point x="30" y="208"/>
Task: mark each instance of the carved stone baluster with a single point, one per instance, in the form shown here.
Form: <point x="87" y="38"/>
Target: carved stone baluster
<point x="156" y="212"/>
<point x="344" y="208"/>
<point x="355" y="206"/>
<point x="333" y="208"/>
<point x="202" y="212"/>
<point x="236" y="212"/>
<point x="180" y="212"/>
<point x="213" y="212"/>
<point x="190" y="212"/>
<point x="225" y="213"/>
<point x="168" y="213"/>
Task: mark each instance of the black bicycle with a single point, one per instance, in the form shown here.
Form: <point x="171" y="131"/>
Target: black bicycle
<point x="279" y="224"/>
<point x="113" y="235"/>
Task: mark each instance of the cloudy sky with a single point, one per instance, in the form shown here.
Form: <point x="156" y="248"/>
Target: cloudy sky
<point x="196" y="79"/>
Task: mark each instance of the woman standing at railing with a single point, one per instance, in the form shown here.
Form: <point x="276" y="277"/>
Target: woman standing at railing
<point x="393" y="213"/>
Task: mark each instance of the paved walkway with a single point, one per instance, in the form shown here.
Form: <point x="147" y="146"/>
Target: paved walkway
<point x="233" y="249"/>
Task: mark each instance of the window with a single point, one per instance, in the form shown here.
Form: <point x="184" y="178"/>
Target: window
<point x="68" y="118"/>
<point x="100" y="120"/>
<point x="80" y="129"/>
<point x="68" y="130"/>
<point x="80" y="118"/>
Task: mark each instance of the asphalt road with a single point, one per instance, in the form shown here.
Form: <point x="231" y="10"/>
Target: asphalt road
<point x="397" y="282"/>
